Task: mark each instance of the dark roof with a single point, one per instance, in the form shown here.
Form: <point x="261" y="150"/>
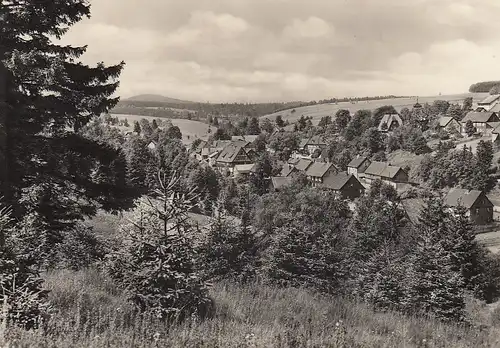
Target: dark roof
<point x="287" y="170"/>
<point x="229" y="153"/>
<point x="382" y="169"/>
<point x="247" y="138"/>
<point x="278" y="181"/>
<point x="318" y="169"/>
<point x="337" y="182"/>
<point x="413" y="207"/>
<point x="357" y="162"/>
<point x="480" y="117"/>
<point x="466" y="198"/>
<point x="489" y="99"/>
<point x="303" y="164"/>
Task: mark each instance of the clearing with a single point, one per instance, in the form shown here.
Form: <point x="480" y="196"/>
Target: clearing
<point x="321" y="110"/>
<point x="190" y="129"/>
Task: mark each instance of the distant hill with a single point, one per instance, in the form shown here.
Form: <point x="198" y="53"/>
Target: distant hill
<point x="155" y="98"/>
<point x="484" y="87"/>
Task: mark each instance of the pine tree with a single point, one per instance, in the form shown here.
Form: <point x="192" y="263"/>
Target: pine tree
<point x="469" y="128"/>
<point x="157" y="264"/>
<point x="137" y="127"/>
<point x="45" y="89"/>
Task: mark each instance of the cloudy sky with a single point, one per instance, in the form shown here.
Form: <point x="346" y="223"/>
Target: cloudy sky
<point x="269" y="50"/>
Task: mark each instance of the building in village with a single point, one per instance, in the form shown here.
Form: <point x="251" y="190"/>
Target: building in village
<point x="358" y="165"/>
<point x="310" y="145"/>
<point x="317" y="172"/>
<point x="488" y="103"/>
<point x="346" y="186"/>
<point x="232" y="155"/>
<point x="390" y="122"/>
<point x="288" y="170"/>
<point x="302" y="164"/>
<point x="479" y="207"/>
<point x="277" y="183"/>
<point x="480" y="121"/>
<point x="391" y="175"/>
<point x="450" y="124"/>
<point x="243" y="170"/>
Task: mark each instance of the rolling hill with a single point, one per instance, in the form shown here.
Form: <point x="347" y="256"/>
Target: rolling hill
<point x="321" y="110"/>
<point x="156" y="98"/>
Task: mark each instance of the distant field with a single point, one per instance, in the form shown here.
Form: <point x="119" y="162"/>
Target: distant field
<point x="318" y="111"/>
<point x="190" y="129"/>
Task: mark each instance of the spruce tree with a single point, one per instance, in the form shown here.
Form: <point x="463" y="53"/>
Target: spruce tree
<point x="45" y="90"/>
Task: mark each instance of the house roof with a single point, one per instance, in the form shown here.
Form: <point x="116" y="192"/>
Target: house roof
<point x="489" y="99"/>
<point x="229" y="153"/>
<point x="445" y="120"/>
<point x="389" y="119"/>
<point x="413" y="207"/>
<point x="357" y="162"/>
<point x="493" y="125"/>
<point x="496" y="108"/>
<point x="466" y="198"/>
<point x="319" y="169"/>
<point x="287" y="170"/>
<point x="479" y="117"/>
<point x="337" y="182"/>
<point x="303" y="143"/>
<point x="244" y="168"/>
<point x="247" y="138"/>
<point x="303" y="164"/>
<point x="382" y="169"/>
<point x="278" y="181"/>
<point x="314" y="140"/>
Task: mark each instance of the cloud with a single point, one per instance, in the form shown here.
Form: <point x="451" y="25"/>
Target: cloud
<point x="225" y="50"/>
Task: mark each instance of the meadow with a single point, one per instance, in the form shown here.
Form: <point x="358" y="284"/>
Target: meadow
<point x="190" y="129"/>
<point x="90" y="311"/>
<point x="321" y="110"/>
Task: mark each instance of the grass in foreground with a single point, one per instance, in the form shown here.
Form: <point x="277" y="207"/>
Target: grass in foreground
<point x="91" y="312"/>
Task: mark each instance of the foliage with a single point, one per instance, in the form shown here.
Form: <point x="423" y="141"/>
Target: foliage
<point x="469" y="128"/>
<point x="157" y="262"/>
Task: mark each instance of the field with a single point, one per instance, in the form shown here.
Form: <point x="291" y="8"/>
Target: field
<point x="190" y="129"/>
<point x="90" y="311"/>
<point x="318" y="111"/>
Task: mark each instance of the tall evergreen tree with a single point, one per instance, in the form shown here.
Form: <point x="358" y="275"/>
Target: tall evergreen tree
<point x="45" y="90"/>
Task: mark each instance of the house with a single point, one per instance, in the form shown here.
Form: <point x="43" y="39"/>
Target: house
<point x="310" y="145"/>
<point x="347" y="186"/>
<point x="278" y="182"/>
<point x="413" y="208"/>
<point x="450" y="124"/>
<point x="288" y="170"/>
<point x="358" y="165"/>
<point x="391" y="175"/>
<point x="480" y="120"/>
<point x="303" y="164"/>
<point x="317" y="172"/>
<point x="479" y="207"/>
<point x="243" y="170"/>
<point x="488" y="103"/>
<point x="390" y="122"/>
<point x="231" y="156"/>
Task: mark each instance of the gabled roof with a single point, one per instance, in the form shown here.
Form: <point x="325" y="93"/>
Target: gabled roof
<point x="287" y="170"/>
<point x="466" y="198"/>
<point x="229" y="153"/>
<point x="489" y="99"/>
<point x="337" y="182"/>
<point x="445" y="120"/>
<point x="357" y="162"/>
<point x="480" y="117"/>
<point x="496" y="108"/>
<point x="382" y="169"/>
<point x="278" y="181"/>
<point x="389" y="120"/>
<point x="315" y="140"/>
<point x="319" y="169"/>
<point x="303" y="164"/>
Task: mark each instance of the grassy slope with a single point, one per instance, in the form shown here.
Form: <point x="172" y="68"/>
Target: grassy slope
<point x="318" y="111"/>
<point x="92" y="312"/>
<point x="189" y="128"/>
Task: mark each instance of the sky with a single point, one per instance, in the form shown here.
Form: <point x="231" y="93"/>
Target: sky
<point x="288" y="50"/>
